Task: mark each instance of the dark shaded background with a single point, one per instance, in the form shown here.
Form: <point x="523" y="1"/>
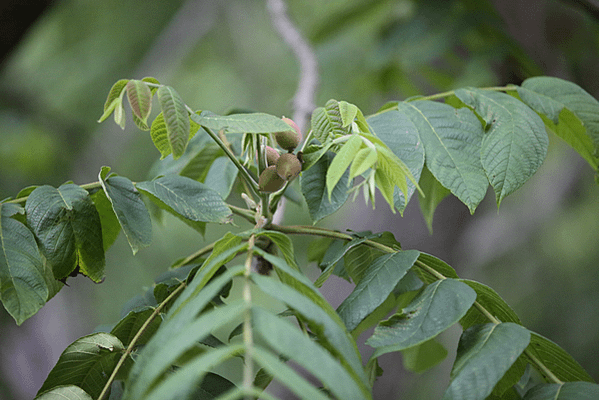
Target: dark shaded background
<point x="59" y="59"/>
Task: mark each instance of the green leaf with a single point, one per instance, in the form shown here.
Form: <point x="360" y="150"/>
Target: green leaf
<point x="108" y="219"/>
<point x="440" y="305"/>
<point x="324" y="323"/>
<point x="198" y="166"/>
<point x="87" y="363"/>
<point x="341" y="161"/>
<point x="159" y="135"/>
<point x="379" y="280"/>
<point x="68" y="229"/>
<point x="327" y="122"/>
<point x="434" y="192"/>
<point x="569" y="111"/>
<point x="284" y="244"/>
<point x="335" y="252"/>
<point x="313" y="185"/>
<point x="452" y="142"/>
<point x="564" y="391"/>
<point x="119" y="112"/>
<point x="187" y="199"/>
<point x="359" y="257"/>
<point x="114" y="98"/>
<point x="436" y="264"/>
<point x="150" y="79"/>
<point x="491" y="301"/>
<point x="559" y="362"/>
<point x="130" y="210"/>
<point x="180" y="331"/>
<point x="515" y="141"/>
<point x="365" y="158"/>
<point x="221" y="176"/>
<point x="23" y="287"/>
<point x="126" y="329"/>
<point x="140" y="100"/>
<point x="400" y="134"/>
<point x="176" y="119"/>
<point x="241" y="123"/>
<point x="424" y="356"/>
<point x="292" y="343"/>
<point x="212" y="386"/>
<point x="485" y="353"/>
<point x="348" y="113"/>
<point x="65" y="392"/>
<point x="287" y="376"/>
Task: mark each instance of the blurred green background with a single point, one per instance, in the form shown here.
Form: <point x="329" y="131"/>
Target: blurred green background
<point x="539" y="251"/>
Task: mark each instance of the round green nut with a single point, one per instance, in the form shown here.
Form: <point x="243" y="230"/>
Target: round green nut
<point x="270" y="181"/>
<point x="290" y="139"/>
<point x="272" y="155"/>
<point x="288" y="166"/>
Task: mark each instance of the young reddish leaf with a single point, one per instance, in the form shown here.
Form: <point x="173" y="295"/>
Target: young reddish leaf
<point x="140" y="99"/>
<point x="176" y="119"/>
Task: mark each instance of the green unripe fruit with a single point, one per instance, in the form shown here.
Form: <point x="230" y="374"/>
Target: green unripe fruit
<point x="270" y="181"/>
<point x="288" y="166"/>
<point x="290" y="139"/>
<point x="272" y="156"/>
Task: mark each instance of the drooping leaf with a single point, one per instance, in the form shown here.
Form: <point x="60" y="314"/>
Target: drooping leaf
<point x="159" y="135"/>
<point x="313" y="185"/>
<point x="23" y="288"/>
<point x="241" y="123"/>
<point x="68" y="229"/>
<point x="108" y="219"/>
<point x="452" y="142"/>
<point x="321" y="322"/>
<point x="440" y="305"/>
<point x="126" y="329"/>
<point x="485" y="353"/>
<point x="87" y="363"/>
<point x="572" y="111"/>
<point x="176" y="119"/>
<point x="434" y="192"/>
<point x="515" y="141"/>
<point x="114" y="98"/>
<point x="140" y="100"/>
<point x="400" y="134"/>
<point x="130" y="210"/>
<point x="287" y="375"/>
<point x="559" y="362"/>
<point x="187" y="199"/>
<point x="378" y="281"/>
<point x="180" y="332"/>
<point x="564" y="391"/>
<point x="344" y="157"/>
<point x="289" y="341"/>
<point x="327" y="122"/>
<point x="65" y="392"/>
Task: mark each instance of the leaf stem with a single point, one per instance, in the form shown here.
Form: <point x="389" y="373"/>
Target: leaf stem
<point x="138" y="335"/>
<point x="312" y="230"/>
<point x="248" y="339"/>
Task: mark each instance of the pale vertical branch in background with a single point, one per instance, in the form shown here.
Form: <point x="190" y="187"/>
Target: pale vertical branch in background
<point x="303" y="100"/>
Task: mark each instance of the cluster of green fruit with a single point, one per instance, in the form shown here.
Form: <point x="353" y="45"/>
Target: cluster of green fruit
<point x="281" y="168"/>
